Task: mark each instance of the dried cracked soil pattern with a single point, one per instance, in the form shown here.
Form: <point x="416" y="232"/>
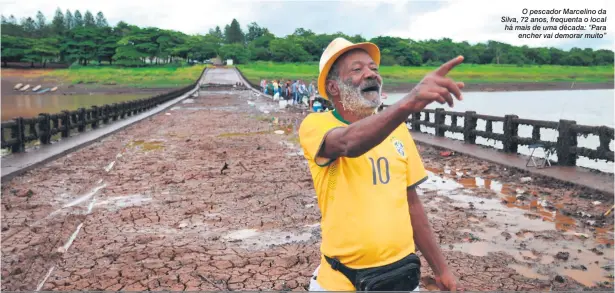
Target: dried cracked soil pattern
<point x="206" y="196"/>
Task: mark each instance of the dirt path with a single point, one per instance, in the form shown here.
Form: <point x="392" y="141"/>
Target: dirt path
<point x="208" y="197"/>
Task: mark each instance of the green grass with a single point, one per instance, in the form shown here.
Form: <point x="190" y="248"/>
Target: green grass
<point x="468" y="73"/>
<point x="133" y="77"/>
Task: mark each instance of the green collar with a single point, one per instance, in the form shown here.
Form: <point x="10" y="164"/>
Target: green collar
<point x="339" y="117"/>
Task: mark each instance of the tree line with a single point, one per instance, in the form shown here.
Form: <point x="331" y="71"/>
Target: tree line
<point x="72" y="37"/>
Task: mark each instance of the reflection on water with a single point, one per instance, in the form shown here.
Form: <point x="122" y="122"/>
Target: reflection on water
<point x="535" y="246"/>
<point x="535" y="207"/>
<point x="528" y="271"/>
<point x="32" y="105"/>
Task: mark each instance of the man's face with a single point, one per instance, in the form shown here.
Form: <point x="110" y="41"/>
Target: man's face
<point x="360" y="83"/>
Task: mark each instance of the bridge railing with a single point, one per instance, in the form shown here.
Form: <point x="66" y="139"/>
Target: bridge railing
<point x="254" y="86"/>
<point x="566" y="147"/>
<point x="18" y="132"/>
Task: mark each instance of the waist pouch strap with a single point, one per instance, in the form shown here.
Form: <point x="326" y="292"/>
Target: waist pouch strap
<point x="403" y="275"/>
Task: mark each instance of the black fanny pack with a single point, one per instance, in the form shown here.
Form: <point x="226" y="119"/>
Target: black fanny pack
<point x="403" y="275"/>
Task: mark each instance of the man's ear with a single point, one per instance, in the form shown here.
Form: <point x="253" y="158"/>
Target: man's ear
<point x="333" y="88"/>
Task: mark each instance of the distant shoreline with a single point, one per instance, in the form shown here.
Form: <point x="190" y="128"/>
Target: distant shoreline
<point x="511" y="87"/>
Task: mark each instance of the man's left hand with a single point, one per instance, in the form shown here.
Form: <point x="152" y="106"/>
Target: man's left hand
<point x="447" y="282"/>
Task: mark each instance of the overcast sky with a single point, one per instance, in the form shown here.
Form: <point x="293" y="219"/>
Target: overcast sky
<point x="472" y="20"/>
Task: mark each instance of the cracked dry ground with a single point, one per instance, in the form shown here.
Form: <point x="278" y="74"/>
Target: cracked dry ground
<point x="209" y="198"/>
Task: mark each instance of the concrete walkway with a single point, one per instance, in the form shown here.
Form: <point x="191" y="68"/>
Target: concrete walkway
<point x="576" y="175"/>
<point x="16" y="164"/>
<point x="19" y="163"/>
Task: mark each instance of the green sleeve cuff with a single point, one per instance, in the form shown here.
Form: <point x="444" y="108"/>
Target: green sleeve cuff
<point x="418" y="182"/>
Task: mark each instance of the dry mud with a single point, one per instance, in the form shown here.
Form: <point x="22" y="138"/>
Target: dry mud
<point x="207" y="196"/>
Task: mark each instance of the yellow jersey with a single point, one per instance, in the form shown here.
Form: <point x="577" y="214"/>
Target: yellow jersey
<point x="365" y="218"/>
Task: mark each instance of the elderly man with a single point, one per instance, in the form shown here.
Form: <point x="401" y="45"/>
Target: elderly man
<point x="365" y="168"/>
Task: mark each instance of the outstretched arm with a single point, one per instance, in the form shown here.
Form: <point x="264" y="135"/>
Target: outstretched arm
<point x="359" y="137"/>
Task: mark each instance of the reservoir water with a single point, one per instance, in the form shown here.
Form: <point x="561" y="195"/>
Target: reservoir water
<point x="586" y="107"/>
<point x="31" y="105"/>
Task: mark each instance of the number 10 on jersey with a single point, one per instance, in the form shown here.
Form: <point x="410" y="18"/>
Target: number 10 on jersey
<point x="380" y="170"/>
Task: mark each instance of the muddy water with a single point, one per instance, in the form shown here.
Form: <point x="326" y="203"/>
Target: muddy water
<point x="34" y="104"/>
<point x="536" y="236"/>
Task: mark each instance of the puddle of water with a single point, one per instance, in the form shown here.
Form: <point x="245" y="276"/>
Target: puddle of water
<point x="242" y="234"/>
<point x="120" y="202"/>
<point x="519" y="217"/>
<point x="528" y="272"/>
<point x="546" y="259"/>
<point x="467" y="182"/>
<point x="513" y="212"/>
<point x="605" y="235"/>
<point x="536" y="209"/>
<point x="253" y="238"/>
<point x="147" y="145"/>
<point x="523" y="251"/>
<point x="594" y="274"/>
<point x="437" y="183"/>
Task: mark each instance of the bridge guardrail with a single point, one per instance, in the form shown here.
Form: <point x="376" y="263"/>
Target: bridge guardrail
<point x="16" y="133"/>
<point x="566" y="146"/>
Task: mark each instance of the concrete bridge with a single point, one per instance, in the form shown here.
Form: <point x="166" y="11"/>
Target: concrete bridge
<point x="203" y="194"/>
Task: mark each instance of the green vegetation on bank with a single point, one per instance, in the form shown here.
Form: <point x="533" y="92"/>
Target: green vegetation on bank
<point x="87" y="39"/>
<point x="163" y="76"/>
<point x="487" y="73"/>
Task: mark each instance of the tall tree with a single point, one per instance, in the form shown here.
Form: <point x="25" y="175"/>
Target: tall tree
<point x="77" y="19"/>
<point x="11" y="28"/>
<point x="69" y="20"/>
<point x="217" y="33"/>
<point x="101" y="21"/>
<point x="254" y="32"/>
<point x="29" y="26"/>
<point x="41" y="22"/>
<point x="58" y="24"/>
<point x="233" y="33"/>
<point x="88" y="19"/>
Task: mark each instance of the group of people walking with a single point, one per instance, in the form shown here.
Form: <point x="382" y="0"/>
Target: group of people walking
<point x="294" y="91"/>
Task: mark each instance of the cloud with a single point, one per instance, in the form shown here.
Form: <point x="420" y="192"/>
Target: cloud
<point x="480" y="21"/>
<point x="473" y="20"/>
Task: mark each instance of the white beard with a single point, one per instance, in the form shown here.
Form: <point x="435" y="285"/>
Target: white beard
<point x="360" y="104"/>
